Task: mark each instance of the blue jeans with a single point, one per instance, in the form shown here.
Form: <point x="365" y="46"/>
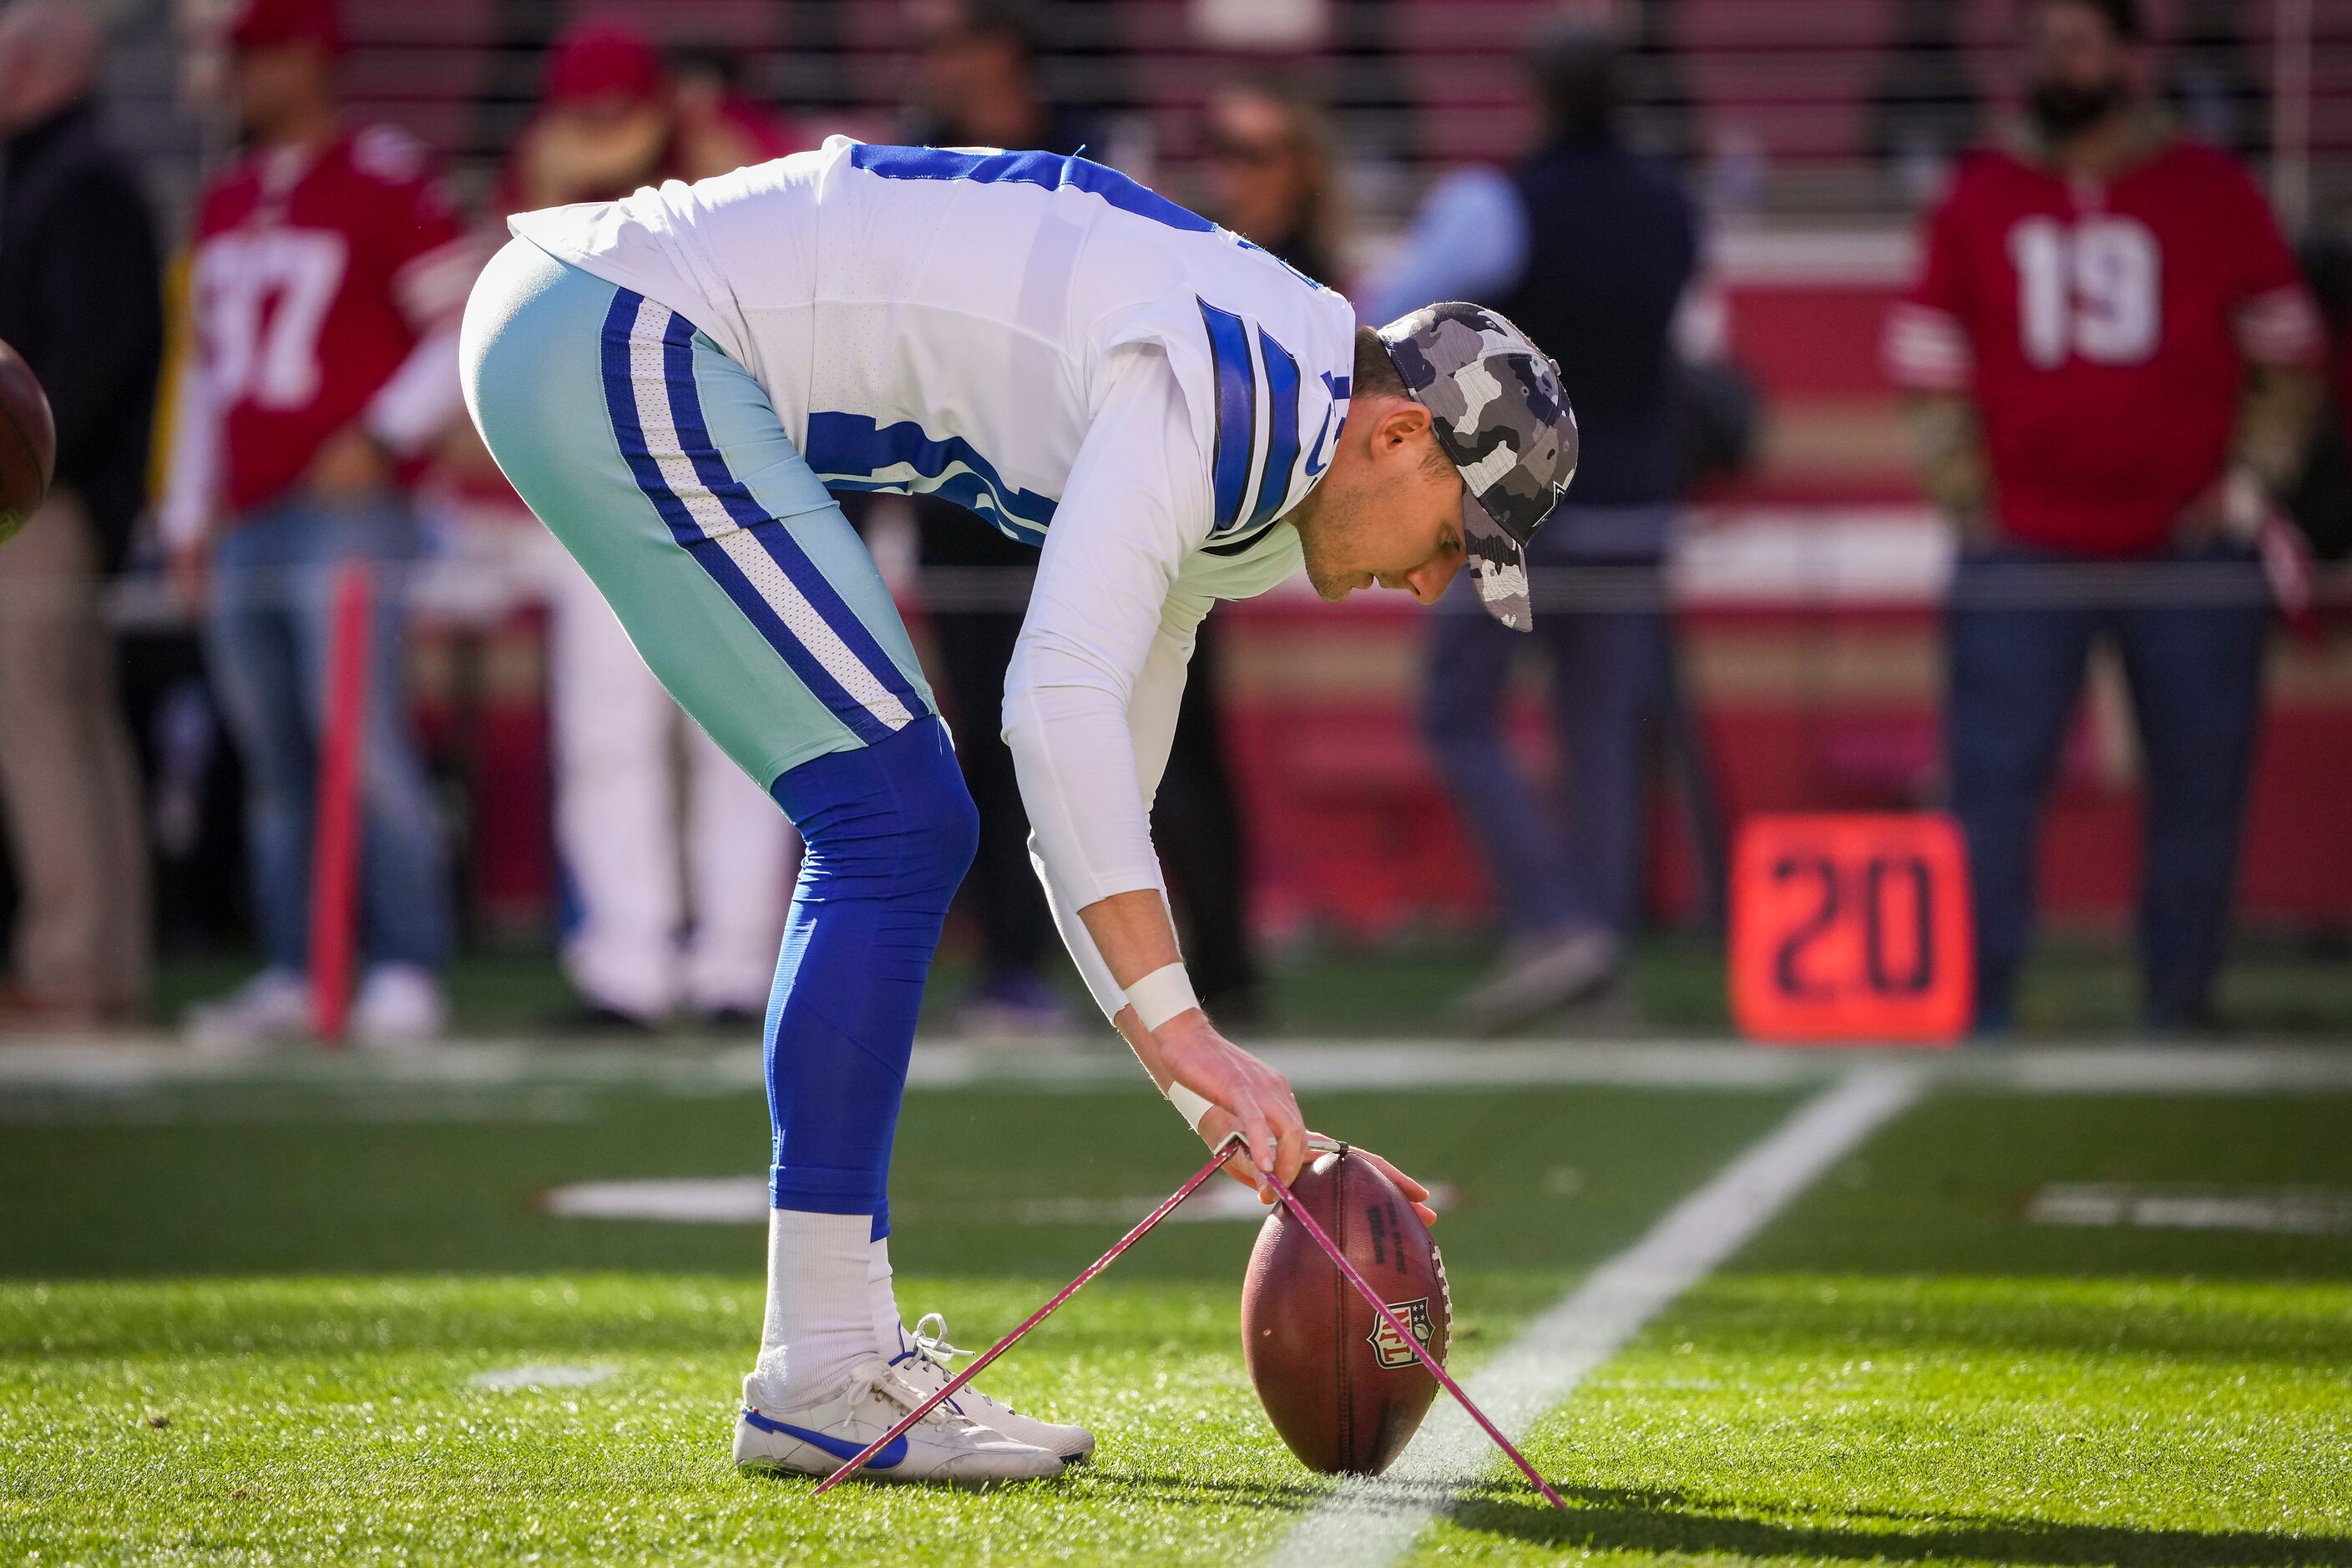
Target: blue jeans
<point x="1612" y="687"/>
<point x="267" y="640"/>
<point x="2191" y="628"/>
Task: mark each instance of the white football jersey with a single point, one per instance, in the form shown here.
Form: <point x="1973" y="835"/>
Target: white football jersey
<point x="940" y="321"/>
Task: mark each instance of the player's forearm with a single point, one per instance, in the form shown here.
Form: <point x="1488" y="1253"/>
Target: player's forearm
<point x="1132" y="932"/>
<point x="2272" y="433"/>
<point x="1950" y="446"/>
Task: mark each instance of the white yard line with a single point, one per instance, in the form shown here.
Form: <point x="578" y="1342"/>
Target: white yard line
<point x="1368" y="1522"/>
<point x="140" y="1064"/>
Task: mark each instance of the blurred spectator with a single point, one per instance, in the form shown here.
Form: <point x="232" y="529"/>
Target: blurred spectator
<point x="605" y="124"/>
<point x="1924" y="112"/>
<point x="2211" y="80"/>
<point x="1272" y="175"/>
<point x="2109" y="354"/>
<point x="328" y="271"/>
<point x="2321" y="501"/>
<point x="978" y="83"/>
<point x="78" y="298"/>
<point x="604" y="128"/>
<point x="1589" y="246"/>
<point x="978" y="75"/>
<point x="719" y="128"/>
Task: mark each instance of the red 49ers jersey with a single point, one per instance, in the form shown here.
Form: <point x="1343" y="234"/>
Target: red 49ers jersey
<point x="2101" y="330"/>
<point x="312" y="280"/>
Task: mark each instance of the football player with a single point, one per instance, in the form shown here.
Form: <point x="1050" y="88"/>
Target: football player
<point x="1171" y="415"/>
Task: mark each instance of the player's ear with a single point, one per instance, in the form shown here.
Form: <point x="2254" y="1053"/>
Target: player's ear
<point x="1401" y="425"/>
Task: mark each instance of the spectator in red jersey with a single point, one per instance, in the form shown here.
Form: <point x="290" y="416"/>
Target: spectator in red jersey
<point x="328" y="272"/>
<point x="2108" y="355"/>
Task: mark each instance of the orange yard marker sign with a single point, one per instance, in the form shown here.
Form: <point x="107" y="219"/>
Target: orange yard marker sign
<point x="1850" y="928"/>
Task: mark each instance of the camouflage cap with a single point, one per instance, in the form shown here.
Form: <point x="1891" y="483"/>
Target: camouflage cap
<point x="1498" y="412"/>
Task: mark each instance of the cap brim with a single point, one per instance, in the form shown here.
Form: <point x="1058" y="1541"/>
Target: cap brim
<point x="1498" y="564"/>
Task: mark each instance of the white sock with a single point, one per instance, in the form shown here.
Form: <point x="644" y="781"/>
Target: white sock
<point x="819" y="1324"/>
<point x="889" y="1333"/>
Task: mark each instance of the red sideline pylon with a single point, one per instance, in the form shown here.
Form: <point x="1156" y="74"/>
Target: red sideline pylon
<point x="335" y="832"/>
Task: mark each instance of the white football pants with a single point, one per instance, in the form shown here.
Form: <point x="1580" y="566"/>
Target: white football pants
<point x="620" y="745"/>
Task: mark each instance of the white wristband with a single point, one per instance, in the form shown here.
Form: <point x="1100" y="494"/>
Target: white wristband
<point x="1160" y="996"/>
<point x="1189" y="1105"/>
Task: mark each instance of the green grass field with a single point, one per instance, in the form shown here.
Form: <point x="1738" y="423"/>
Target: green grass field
<point x="242" y="1321"/>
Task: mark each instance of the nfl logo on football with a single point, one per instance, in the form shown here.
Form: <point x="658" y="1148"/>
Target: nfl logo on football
<point x="1392" y="1351"/>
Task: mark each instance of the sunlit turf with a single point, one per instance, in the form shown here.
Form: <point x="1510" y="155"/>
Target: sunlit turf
<point x="243" y="1325"/>
<point x="1905" y="1369"/>
<point x="1807" y="1419"/>
<point x="336" y="1420"/>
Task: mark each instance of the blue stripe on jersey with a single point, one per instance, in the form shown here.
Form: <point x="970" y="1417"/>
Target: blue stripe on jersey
<point x="1281" y="427"/>
<point x="1236" y="387"/>
<point x="1049" y="171"/>
<point x="773" y="536"/>
<point x="628" y="431"/>
<point x="848" y="449"/>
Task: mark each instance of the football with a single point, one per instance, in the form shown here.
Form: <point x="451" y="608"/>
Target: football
<point x="1342" y="1390"/>
<point x="29" y="443"/>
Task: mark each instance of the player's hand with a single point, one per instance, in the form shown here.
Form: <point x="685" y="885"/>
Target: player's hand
<point x="189" y="568"/>
<point x="350" y="466"/>
<point x="1216" y="1124"/>
<point x="1255" y="1098"/>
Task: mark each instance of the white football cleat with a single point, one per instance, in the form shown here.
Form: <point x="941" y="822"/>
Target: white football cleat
<point x="926" y="1360"/>
<point x="818" y="1438"/>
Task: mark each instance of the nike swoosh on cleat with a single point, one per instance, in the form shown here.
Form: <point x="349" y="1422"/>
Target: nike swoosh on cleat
<point x="840" y="1449"/>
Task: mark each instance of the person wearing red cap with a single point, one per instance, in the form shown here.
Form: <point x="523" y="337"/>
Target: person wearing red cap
<point x="263" y="24"/>
<point x="326" y="274"/>
<point x="604" y="125"/>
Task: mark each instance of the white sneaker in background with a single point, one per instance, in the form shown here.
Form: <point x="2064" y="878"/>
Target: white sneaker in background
<point x="814" y="1439"/>
<point x="272" y="1006"/>
<point x="925" y="1358"/>
<point x="1539" y="974"/>
<point x="399" y="1004"/>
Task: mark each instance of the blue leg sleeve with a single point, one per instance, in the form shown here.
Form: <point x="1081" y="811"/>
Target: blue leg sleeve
<point x="889" y="830"/>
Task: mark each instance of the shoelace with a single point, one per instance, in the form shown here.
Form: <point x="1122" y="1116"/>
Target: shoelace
<point x="930" y="1342"/>
<point x="895" y="1389"/>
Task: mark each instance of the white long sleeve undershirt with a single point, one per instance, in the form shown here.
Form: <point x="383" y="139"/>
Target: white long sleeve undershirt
<point x="1097" y="676"/>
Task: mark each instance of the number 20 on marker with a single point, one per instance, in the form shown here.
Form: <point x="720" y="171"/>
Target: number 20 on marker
<point x="1850" y="929"/>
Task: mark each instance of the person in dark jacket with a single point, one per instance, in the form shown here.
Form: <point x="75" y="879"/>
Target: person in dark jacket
<point x="80" y="298"/>
<point x="1589" y="246"/>
<point x="980" y="88"/>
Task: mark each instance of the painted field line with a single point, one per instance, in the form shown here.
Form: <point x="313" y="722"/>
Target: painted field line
<point x="142" y="1064"/>
<point x="1367" y="1523"/>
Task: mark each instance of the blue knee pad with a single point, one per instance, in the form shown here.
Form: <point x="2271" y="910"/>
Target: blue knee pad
<point x="889" y="832"/>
